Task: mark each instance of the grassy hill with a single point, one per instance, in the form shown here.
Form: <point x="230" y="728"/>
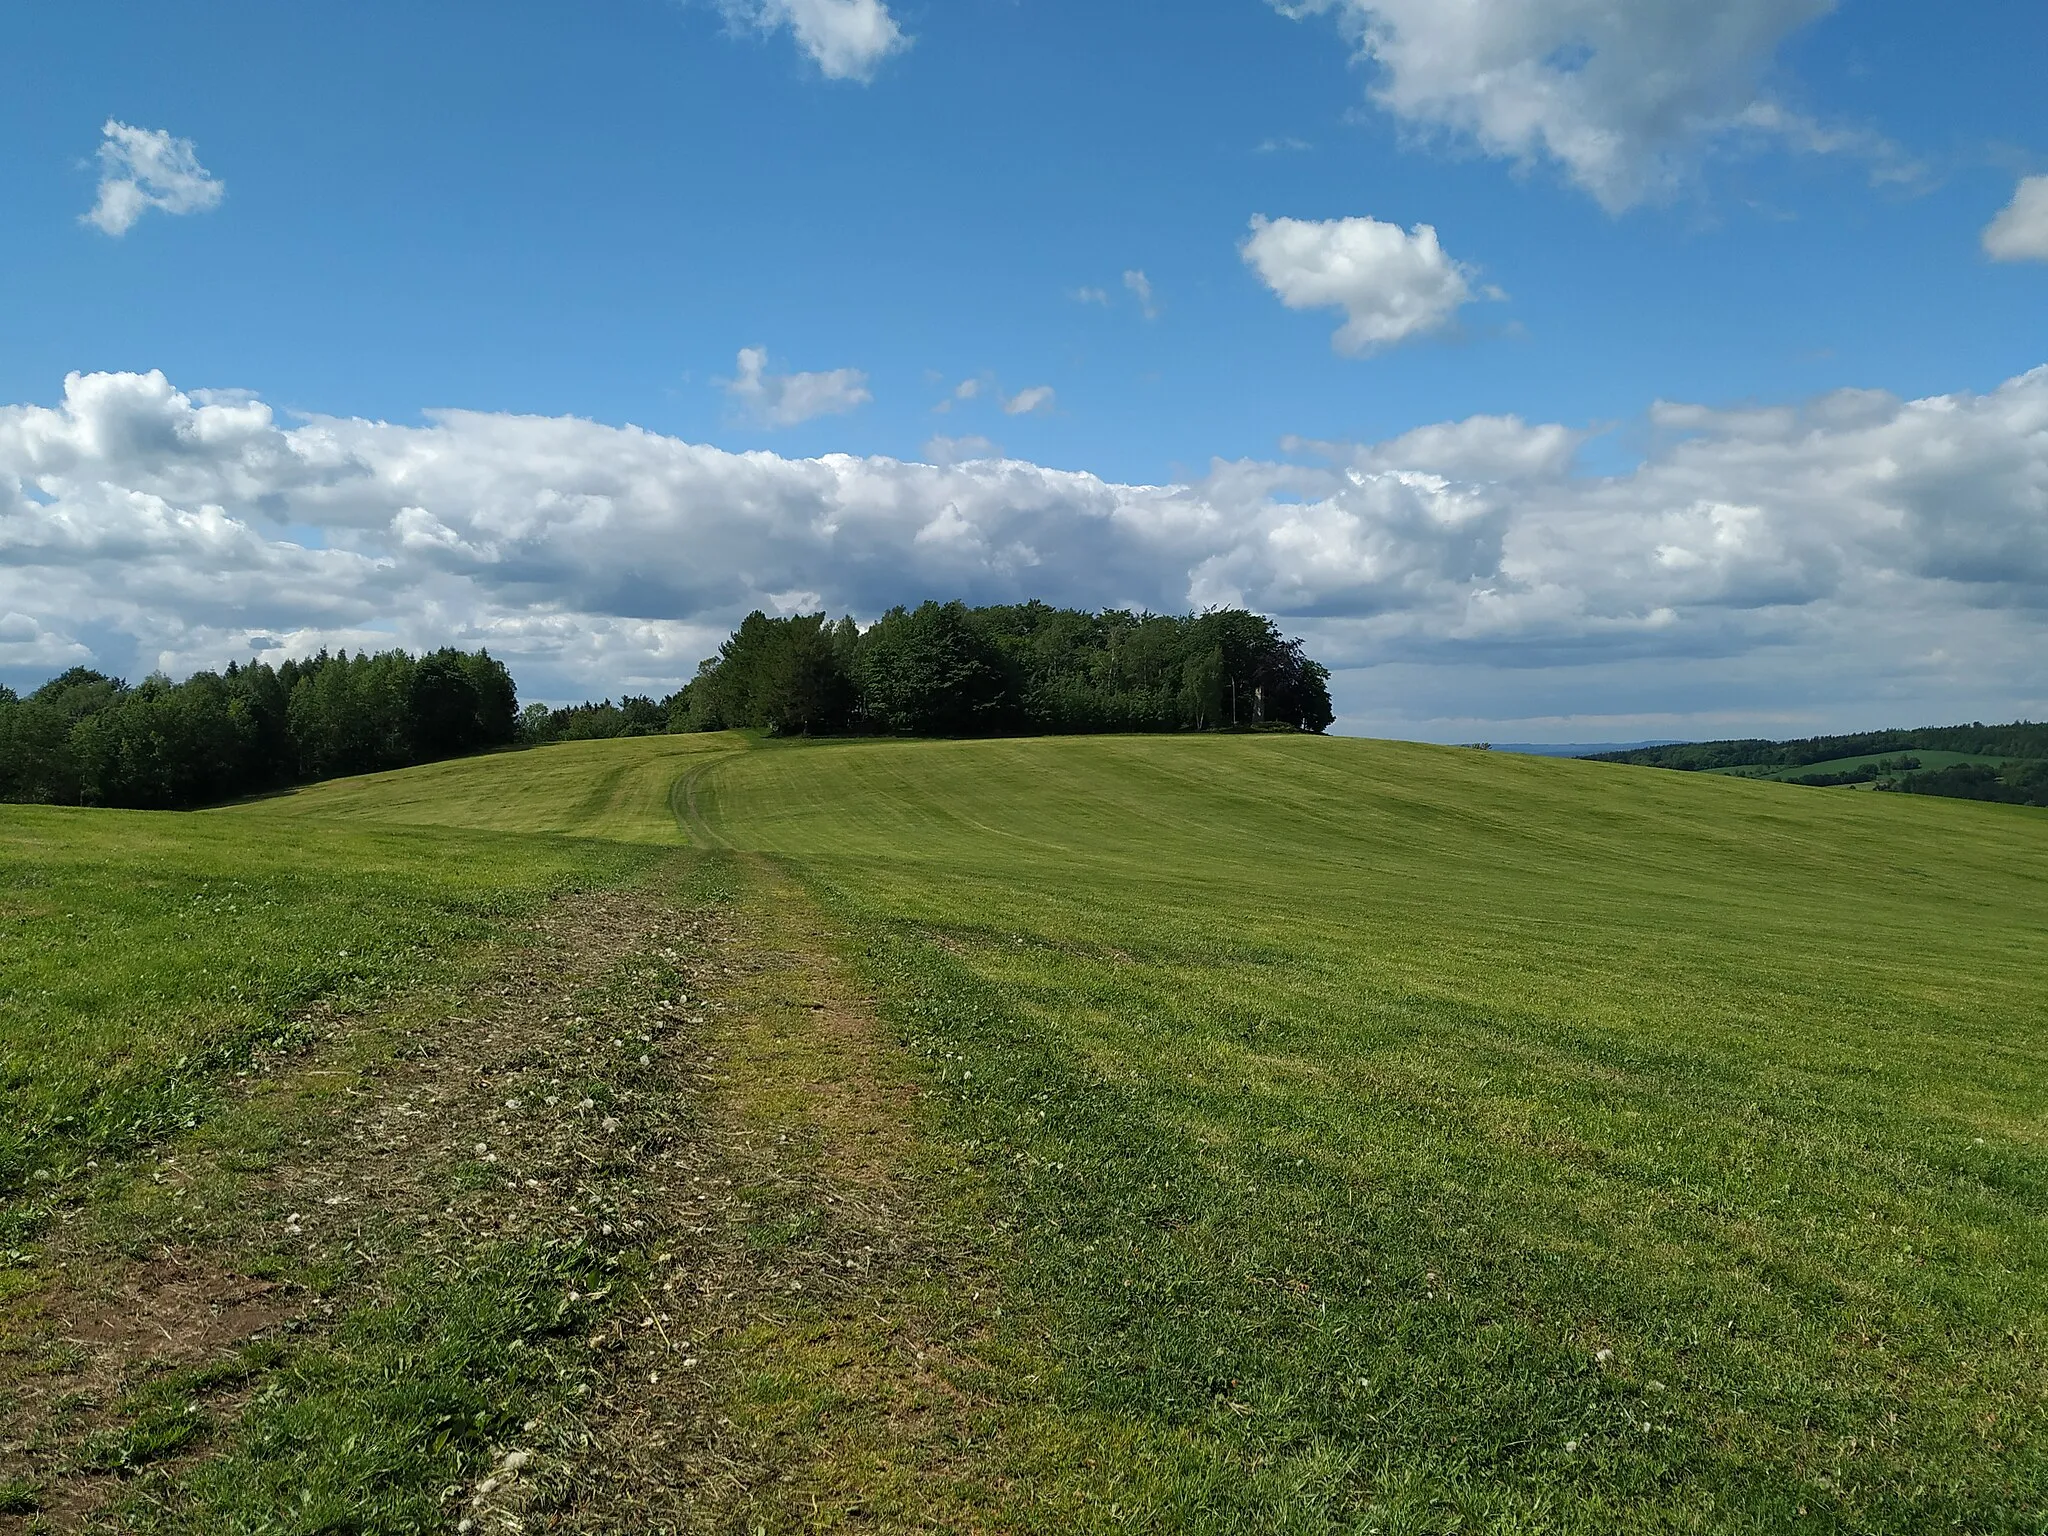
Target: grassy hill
<point x="1338" y="1135"/>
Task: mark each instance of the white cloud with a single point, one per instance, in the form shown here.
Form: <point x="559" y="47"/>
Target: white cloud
<point x="1623" y="97"/>
<point x="1029" y="402"/>
<point x="1092" y="296"/>
<point x="1139" y="286"/>
<point x="1391" y="284"/>
<point x="145" y="168"/>
<point x="1478" y="449"/>
<point x="963" y="392"/>
<point x="27" y="643"/>
<point x="788" y="399"/>
<point x="1839" y="550"/>
<point x="2020" y="232"/>
<point x="846" y="39"/>
<point x="961" y="450"/>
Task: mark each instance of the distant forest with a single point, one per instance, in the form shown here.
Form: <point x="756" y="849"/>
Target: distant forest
<point x="940" y="670"/>
<point x="88" y="739"/>
<point x="2017" y="773"/>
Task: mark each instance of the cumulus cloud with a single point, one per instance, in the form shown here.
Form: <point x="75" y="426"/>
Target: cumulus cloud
<point x="846" y="39"/>
<point x="789" y="399"/>
<point x="1623" y="97"/>
<point x="2020" y="232"/>
<point x="1029" y="402"/>
<point x="1836" y="547"/>
<point x="29" y="644"/>
<point x="145" y="168"/>
<point x="1392" y="284"/>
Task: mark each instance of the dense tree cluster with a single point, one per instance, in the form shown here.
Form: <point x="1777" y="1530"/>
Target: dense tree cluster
<point x="634" y="715"/>
<point x="944" y="669"/>
<point x="2012" y="783"/>
<point x="88" y="739"/>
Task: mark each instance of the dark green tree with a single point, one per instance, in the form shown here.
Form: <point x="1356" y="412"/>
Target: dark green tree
<point x="85" y="738"/>
<point x="804" y="686"/>
<point x="930" y="672"/>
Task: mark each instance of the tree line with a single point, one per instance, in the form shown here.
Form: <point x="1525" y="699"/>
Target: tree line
<point x="2019" y="740"/>
<point x="2009" y="783"/>
<point x="1882" y="771"/>
<point x="942" y="669"/>
<point x="945" y="669"/>
<point x="85" y="738"/>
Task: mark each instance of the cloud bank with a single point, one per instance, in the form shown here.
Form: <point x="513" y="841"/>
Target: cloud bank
<point x="145" y="168"/>
<point x="1830" y="549"/>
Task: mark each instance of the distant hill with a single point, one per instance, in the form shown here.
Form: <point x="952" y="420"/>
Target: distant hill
<point x="1575" y="748"/>
<point x="1970" y="762"/>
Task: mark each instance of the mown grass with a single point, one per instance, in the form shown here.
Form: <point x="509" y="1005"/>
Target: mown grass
<point x="363" y="1433"/>
<point x="1415" y="1139"/>
<point x="616" y="790"/>
<point x="1362" y="1137"/>
<point x="144" y="956"/>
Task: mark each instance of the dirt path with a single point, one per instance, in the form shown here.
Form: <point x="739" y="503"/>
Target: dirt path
<point x="841" y="1304"/>
<point x="682" y="1088"/>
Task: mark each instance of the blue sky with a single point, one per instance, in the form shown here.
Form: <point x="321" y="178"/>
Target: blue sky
<point x="527" y="210"/>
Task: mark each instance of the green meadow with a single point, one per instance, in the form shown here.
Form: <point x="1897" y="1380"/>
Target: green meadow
<point x="147" y="956"/>
<point x="1353" y="1136"/>
<point x="1601" y="1147"/>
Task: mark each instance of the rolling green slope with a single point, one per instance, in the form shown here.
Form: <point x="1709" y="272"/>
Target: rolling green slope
<point x="144" y="951"/>
<point x="1362" y="1136"/>
<point x="1605" y="1150"/>
<point x="615" y="790"/>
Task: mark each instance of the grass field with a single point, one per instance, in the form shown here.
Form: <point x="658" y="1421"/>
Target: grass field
<point x="147" y="955"/>
<point x="1360" y="1096"/>
<point x="618" y="791"/>
<point x="1344" y="1135"/>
